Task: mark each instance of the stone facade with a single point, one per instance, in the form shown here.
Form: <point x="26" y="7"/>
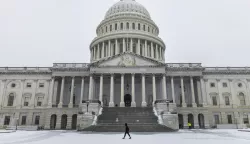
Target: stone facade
<point x="127" y="68"/>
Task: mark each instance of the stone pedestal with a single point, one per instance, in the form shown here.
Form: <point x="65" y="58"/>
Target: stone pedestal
<point x="84" y="120"/>
<point x="171" y="121"/>
<point x="162" y="107"/>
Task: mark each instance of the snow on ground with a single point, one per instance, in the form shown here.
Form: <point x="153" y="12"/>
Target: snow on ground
<point x="181" y="137"/>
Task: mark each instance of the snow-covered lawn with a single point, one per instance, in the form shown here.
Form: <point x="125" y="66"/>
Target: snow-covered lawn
<point x="181" y="137"/>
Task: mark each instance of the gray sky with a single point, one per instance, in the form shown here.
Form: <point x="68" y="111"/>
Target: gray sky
<point x="41" y="32"/>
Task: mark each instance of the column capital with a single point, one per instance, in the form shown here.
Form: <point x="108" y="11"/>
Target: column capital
<point x="63" y="77"/>
<point x="133" y="74"/>
<point x="23" y="80"/>
<point x="83" y="77"/>
<point x="112" y="74"/>
<point x="230" y="80"/>
<point x="205" y="80"/>
<point x="35" y="80"/>
<point x="218" y="80"/>
<point x="122" y="74"/>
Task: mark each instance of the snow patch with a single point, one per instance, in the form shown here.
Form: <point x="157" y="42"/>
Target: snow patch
<point x="160" y="121"/>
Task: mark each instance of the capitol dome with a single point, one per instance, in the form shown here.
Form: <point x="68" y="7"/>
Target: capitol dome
<point x="127" y="6"/>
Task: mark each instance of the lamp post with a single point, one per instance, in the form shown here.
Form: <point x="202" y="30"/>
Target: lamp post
<point x="167" y="102"/>
<point x="16" y="123"/>
<point x="87" y="106"/>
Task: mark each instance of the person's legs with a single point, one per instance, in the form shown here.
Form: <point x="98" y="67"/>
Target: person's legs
<point x="129" y="135"/>
<point x="124" y="135"/>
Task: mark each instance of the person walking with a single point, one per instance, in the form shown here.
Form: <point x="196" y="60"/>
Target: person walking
<point x="126" y="131"/>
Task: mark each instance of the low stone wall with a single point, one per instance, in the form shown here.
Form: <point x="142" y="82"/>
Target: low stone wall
<point x="171" y="121"/>
<point x="25" y="128"/>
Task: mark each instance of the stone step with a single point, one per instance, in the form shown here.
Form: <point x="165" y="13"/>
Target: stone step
<point x="133" y="128"/>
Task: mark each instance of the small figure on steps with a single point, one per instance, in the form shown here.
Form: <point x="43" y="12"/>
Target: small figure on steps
<point x="126" y="131"/>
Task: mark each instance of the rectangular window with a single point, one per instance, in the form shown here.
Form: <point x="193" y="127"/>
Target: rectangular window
<point x="39" y="101"/>
<point x="28" y="85"/>
<point x="212" y="85"/>
<point x="23" y="120"/>
<point x="26" y="104"/>
<point x="227" y="102"/>
<point x="229" y="119"/>
<point x="224" y="85"/>
<point x="7" y="120"/>
<point x="26" y="101"/>
<point x="214" y="100"/>
<point x="37" y="119"/>
<point x="245" y="119"/>
<point x="10" y="100"/>
<point x="41" y="85"/>
<point x="216" y="119"/>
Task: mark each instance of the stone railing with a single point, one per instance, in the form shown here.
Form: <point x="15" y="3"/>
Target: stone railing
<point x="25" y="69"/>
<point x="183" y="65"/>
<point x="71" y="65"/>
<point x="227" y="70"/>
<point x="91" y="101"/>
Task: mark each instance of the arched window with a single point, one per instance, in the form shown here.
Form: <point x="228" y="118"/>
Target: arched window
<point x="11" y="99"/>
<point x="110" y="28"/>
<point x="139" y="27"/>
<point x="127" y="25"/>
<point x="133" y="26"/>
<point x="121" y="26"/>
<point x="144" y="27"/>
<point x="115" y="26"/>
<point x="242" y="99"/>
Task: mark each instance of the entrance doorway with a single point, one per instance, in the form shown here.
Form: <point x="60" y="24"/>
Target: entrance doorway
<point x="127" y="100"/>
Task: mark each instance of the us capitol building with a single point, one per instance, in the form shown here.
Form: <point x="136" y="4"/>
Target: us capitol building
<point x="127" y="69"/>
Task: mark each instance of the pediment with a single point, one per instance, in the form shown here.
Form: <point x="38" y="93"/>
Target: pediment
<point x="127" y="60"/>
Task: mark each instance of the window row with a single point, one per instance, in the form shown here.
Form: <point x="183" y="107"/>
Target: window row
<point x="23" y="120"/>
<point x="242" y="100"/>
<point x="230" y="119"/>
<point x="28" y="85"/>
<point x="127" y="26"/>
<point x="224" y="84"/>
<point x="26" y="100"/>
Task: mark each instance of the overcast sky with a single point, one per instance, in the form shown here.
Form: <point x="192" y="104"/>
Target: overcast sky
<point x="41" y="32"/>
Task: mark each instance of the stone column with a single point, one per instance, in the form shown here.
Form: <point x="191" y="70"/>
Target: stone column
<point x="98" y="52"/>
<point x="199" y="92"/>
<point x="164" y="91"/>
<point x="203" y="91"/>
<point x="133" y="104"/>
<point x="172" y="88"/>
<point x="109" y="49"/>
<point x="111" y="101"/>
<point x="248" y="91"/>
<point x="154" y="89"/>
<point x="122" y="91"/>
<point x="183" y="93"/>
<point x="19" y="99"/>
<point x="152" y="50"/>
<point x="90" y="87"/>
<point x="144" y="103"/>
<point x="69" y="122"/>
<point x="221" y="100"/>
<point x="233" y="96"/>
<point x="124" y="45"/>
<point x="72" y="93"/>
<point x="3" y="89"/>
<point x="131" y="44"/>
<point x="33" y="98"/>
<point x="157" y="52"/>
<point x="103" y="46"/>
<point x="101" y="89"/>
<point x="82" y="91"/>
<point x="139" y="47"/>
<point x="146" y="49"/>
<point x="192" y="92"/>
<point x="160" y="54"/>
<point x="116" y="47"/>
<point x="51" y="92"/>
<point x="60" y="105"/>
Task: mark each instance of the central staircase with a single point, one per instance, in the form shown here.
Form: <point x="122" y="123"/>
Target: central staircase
<point x="138" y="119"/>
